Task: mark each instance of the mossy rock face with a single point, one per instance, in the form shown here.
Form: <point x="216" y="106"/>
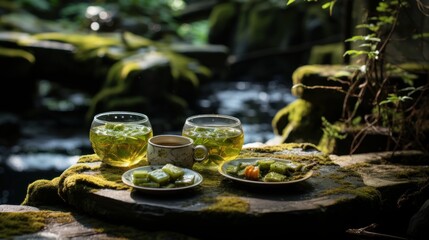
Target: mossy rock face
<point x="299" y="121"/>
<point x="318" y="91"/>
<point x="319" y="84"/>
<point x="43" y="192"/>
<point x="97" y="190"/>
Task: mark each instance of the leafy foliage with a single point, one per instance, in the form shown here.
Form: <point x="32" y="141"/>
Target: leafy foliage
<point x="391" y="92"/>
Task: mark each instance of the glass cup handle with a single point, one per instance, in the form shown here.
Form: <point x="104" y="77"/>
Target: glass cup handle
<point x="203" y="149"/>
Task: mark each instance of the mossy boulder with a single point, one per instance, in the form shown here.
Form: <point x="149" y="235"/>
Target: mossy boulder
<point x="320" y="84"/>
<point x="299" y="121"/>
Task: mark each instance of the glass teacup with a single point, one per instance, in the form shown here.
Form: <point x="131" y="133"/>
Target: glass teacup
<point x="120" y="138"/>
<point x="222" y="135"/>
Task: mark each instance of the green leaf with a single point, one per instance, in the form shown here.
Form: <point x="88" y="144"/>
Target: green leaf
<point x="355" y="53"/>
<point x="364" y="38"/>
<point x="332" y="130"/>
<point x="16" y="53"/>
<point x="329" y="5"/>
<point x="387" y="19"/>
<point x="395" y="99"/>
<point x="356" y="121"/>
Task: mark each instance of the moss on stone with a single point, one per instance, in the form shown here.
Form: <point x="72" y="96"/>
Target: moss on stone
<point x="268" y="149"/>
<point x="322" y="71"/>
<point x="228" y="204"/>
<point x="75" y="182"/>
<point x="101" y="176"/>
<point x="88" y="158"/>
<point x="412" y="173"/>
<point x="327" y="144"/>
<point x="285" y="146"/>
<point x="20" y="223"/>
<point x="305" y="152"/>
<point x="42" y="192"/>
<point x="290" y="116"/>
<point x="300" y="121"/>
<point x="365" y="193"/>
<point x="55" y="191"/>
<point x="405" y="172"/>
<point x="210" y="180"/>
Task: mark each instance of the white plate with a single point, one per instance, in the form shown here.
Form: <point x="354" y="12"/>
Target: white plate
<point x="222" y="170"/>
<point x="127" y="178"/>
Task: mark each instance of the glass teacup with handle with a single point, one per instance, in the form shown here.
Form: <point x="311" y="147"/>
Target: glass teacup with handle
<point x="120" y="138"/>
<point x="223" y="136"/>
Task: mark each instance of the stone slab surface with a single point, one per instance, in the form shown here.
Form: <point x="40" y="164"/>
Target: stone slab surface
<point x="341" y="195"/>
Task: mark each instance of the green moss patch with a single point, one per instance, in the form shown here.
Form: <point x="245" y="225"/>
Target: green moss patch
<point x="88" y="158"/>
<point x="42" y="192"/>
<point x="366" y="193"/>
<point x="228" y="204"/>
<point x="306" y="152"/>
<point x="81" y="177"/>
<point x="20" y="223"/>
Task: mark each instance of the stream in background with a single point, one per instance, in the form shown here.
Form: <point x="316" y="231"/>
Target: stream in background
<point x="51" y="141"/>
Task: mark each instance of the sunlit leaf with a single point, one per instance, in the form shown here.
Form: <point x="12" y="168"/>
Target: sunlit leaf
<point x="395" y="99"/>
<point x="290" y="2"/>
<point x="17" y="53"/>
<point x="387" y="19"/>
<point x="355" y="52"/>
<point x="133" y="41"/>
<point x="329" y="5"/>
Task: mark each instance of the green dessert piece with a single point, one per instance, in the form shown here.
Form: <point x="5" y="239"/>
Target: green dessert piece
<point x="274" y="177"/>
<point x="140" y="174"/>
<point x="279" y="167"/>
<point x="173" y="171"/>
<point x="294" y="167"/>
<point x="185" y="180"/>
<point x="240" y="173"/>
<point x="264" y="164"/>
<point x="150" y="184"/>
<point x="140" y="181"/>
<point x="159" y="176"/>
<point x="243" y="165"/>
<point x="232" y="170"/>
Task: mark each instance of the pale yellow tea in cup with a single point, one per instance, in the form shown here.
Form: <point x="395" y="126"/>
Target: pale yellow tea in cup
<point x="120" y="138"/>
<point x="222" y="135"/>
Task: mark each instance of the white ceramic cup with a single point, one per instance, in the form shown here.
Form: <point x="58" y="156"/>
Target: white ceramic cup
<point x="175" y="149"/>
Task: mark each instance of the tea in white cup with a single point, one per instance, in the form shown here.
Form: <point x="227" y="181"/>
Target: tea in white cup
<point x="175" y="149"/>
